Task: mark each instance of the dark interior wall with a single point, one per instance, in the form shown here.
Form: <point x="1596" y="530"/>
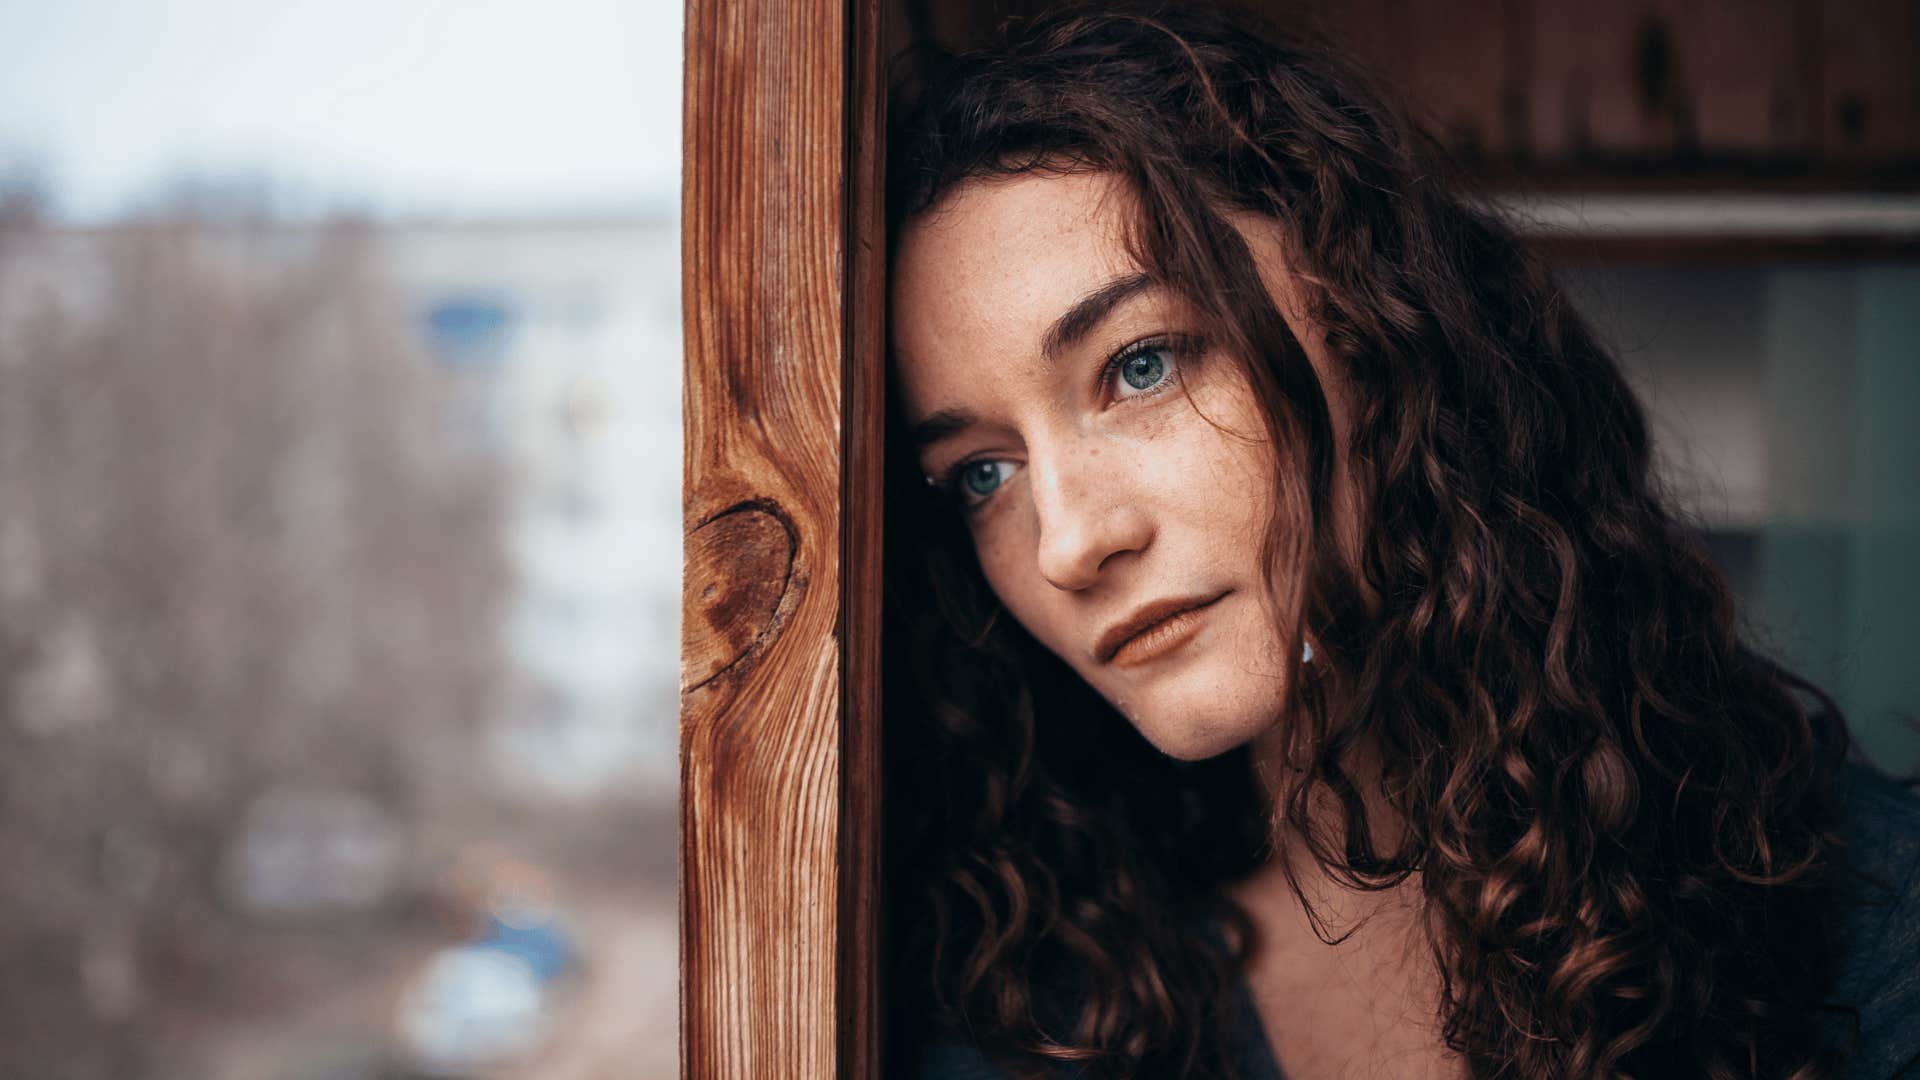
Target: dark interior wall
<point x="1794" y="93"/>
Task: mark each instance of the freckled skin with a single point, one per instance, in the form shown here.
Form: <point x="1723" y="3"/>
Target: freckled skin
<point x="1110" y="497"/>
<point x="1107" y="502"/>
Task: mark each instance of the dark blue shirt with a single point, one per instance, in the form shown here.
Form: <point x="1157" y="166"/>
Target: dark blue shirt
<point x="1879" y="943"/>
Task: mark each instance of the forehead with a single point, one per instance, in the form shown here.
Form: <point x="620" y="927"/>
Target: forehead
<point x="993" y="263"/>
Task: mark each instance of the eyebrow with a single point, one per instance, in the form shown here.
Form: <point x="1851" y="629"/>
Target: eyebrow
<point x="1088" y="311"/>
<point x="1068" y="330"/>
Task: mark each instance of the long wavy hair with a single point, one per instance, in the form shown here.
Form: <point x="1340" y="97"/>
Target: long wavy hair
<point x="1619" y="813"/>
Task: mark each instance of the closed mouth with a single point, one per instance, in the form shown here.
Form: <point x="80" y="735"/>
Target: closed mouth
<point x="1146" y="618"/>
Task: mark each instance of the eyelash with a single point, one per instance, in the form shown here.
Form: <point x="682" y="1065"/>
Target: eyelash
<point x="1178" y="346"/>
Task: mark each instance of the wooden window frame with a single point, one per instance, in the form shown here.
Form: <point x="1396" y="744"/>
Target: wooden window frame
<point x="782" y="259"/>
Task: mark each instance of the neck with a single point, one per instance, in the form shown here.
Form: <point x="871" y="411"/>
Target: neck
<point x="1267" y="894"/>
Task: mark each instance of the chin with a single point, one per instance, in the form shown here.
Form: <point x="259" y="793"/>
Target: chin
<point x="1204" y="715"/>
<point x="1186" y="740"/>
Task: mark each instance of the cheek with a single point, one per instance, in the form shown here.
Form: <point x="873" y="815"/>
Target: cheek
<point x="1006" y="556"/>
<point x="1226" y="444"/>
<point x="1000" y="573"/>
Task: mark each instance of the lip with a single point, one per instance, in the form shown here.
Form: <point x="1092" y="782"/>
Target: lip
<point x="1145" y="618"/>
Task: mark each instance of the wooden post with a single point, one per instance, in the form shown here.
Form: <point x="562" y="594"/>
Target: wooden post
<point x="779" y="705"/>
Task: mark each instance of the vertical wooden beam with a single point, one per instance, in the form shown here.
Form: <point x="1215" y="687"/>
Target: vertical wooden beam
<point x="862" y="1016"/>
<point x="779" y="671"/>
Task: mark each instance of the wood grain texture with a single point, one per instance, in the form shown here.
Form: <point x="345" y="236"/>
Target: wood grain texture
<point x="779" y="642"/>
<point x="863" y="1020"/>
<point x="1661" y="94"/>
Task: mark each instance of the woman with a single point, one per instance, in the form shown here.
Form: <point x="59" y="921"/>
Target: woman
<point x="1301" y="669"/>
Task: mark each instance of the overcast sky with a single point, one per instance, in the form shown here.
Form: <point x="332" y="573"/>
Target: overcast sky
<point x="474" y="108"/>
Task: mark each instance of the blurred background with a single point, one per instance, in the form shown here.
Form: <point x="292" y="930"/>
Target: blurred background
<point x="340" y="460"/>
<point x="339" y="538"/>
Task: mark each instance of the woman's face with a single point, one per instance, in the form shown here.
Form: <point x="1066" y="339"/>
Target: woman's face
<point x="1043" y="375"/>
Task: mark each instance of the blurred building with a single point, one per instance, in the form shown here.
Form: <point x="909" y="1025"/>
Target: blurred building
<point x="563" y="342"/>
<point x="569" y="338"/>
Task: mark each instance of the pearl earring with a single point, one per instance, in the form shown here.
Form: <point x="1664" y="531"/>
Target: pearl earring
<point x="1306" y="650"/>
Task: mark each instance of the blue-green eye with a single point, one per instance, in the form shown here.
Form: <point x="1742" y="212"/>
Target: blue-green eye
<point x="981" y="477"/>
<point x="1145" y="369"/>
<point x="970" y="483"/>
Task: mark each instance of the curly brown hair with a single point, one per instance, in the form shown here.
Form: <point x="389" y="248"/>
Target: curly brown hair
<point x="1620" y="813"/>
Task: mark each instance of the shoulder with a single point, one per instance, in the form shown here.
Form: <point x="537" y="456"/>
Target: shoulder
<point x="1878" y="921"/>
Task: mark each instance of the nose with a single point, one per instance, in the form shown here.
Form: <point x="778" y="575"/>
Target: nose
<point x="1088" y="514"/>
